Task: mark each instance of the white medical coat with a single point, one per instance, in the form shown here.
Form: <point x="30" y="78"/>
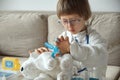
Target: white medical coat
<point x="91" y="55"/>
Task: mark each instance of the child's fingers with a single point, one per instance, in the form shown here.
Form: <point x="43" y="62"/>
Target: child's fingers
<point x="67" y="38"/>
<point x="61" y="38"/>
<point x="37" y="51"/>
<point x="43" y="49"/>
<point x="57" y="43"/>
<point x="57" y="40"/>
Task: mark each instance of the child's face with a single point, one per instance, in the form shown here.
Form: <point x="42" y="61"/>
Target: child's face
<point x="73" y="23"/>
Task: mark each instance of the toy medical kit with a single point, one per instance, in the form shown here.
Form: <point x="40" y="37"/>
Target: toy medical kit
<point x="5" y="74"/>
<point x="4" y="78"/>
<point x="55" y="50"/>
<point x="77" y="78"/>
<point x="10" y="63"/>
<point x="86" y="75"/>
<point x="9" y="75"/>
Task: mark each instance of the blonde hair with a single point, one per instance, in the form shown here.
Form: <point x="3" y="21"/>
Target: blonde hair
<point x="80" y="7"/>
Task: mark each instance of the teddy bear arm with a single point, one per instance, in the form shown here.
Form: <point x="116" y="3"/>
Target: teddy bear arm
<point x="66" y="62"/>
<point x="34" y="55"/>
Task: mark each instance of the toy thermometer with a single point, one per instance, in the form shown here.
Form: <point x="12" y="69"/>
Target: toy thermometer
<point x="10" y="63"/>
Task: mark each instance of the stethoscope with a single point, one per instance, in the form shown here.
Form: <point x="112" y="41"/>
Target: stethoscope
<point x="87" y="38"/>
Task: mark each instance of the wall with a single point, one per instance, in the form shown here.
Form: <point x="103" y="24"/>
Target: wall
<point x="96" y="5"/>
<point x="28" y="5"/>
<point x="105" y="5"/>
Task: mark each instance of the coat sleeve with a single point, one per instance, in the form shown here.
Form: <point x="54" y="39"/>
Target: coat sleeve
<point x="92" y="54"/>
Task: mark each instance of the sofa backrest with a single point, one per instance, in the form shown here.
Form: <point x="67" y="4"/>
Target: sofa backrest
<point x="107" y="24"/>
<point x="22" y="31"/>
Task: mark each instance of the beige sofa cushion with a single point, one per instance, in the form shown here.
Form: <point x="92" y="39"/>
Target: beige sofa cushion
<point x="54" y="28"/>
<point x="20" y="32"/>
<point x="113" y="72"/>
<point x="107" y="24"/>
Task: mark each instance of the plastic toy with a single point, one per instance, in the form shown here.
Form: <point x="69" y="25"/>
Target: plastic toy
<point x="55" y="50"/>
<point x="10" y="63"/>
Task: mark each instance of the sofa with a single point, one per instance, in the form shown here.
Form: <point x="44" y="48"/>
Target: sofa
<point x="21" y="31"/>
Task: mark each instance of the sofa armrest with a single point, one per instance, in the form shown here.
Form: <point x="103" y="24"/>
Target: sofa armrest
<point x="113" y="72"/>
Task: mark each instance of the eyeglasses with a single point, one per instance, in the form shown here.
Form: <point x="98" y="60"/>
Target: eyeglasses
<point x="70" y="21"/>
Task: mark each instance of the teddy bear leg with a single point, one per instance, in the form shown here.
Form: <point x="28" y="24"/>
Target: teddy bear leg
<point x="66" y="63"/>
<point x="43" y="76"/>
<point x="74" y="70"/>
<point x="64" y="76"/>
<point x="51" y="64"/>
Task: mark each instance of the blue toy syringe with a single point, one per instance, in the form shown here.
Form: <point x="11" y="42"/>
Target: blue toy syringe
<point x="55" y="50"/>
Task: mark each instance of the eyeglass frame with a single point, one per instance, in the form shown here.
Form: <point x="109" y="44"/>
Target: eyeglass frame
<point x="70" y="21"/>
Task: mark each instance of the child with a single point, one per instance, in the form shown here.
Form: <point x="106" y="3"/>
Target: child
<point x="79" y="40"/>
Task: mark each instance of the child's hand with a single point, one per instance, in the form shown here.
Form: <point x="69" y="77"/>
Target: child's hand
<point x="41" y="50"/>
<point x="63" y="44"/>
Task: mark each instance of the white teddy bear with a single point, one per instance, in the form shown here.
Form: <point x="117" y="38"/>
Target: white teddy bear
<point x="44" y="67"/>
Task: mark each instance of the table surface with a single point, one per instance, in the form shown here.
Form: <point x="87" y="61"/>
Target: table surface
<point x="19" y="76"/>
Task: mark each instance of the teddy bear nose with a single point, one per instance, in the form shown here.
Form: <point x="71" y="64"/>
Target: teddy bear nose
<point x="22" y="69"/>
